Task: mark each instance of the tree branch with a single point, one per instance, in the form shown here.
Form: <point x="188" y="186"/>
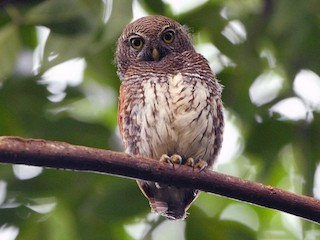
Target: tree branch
<point x="61" y="155"/>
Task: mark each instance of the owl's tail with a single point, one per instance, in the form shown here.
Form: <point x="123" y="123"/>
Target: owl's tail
<point x="168" y="201"/>
<point x="170" y="212"/>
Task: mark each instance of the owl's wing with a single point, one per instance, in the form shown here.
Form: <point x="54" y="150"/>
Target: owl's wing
<point x="120" y="113"/>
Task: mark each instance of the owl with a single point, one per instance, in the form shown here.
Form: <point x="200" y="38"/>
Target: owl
<point x="170" y="105"/>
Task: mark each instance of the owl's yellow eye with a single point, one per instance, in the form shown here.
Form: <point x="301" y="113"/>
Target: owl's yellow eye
<point x="136" y="42"/>
<point x="168" y="37"/>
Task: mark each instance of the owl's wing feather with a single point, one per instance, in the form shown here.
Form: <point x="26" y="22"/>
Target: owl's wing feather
<point x="120" y="115"/>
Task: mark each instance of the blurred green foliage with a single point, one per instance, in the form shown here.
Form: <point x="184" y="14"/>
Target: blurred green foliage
<point x="273" y="151"/>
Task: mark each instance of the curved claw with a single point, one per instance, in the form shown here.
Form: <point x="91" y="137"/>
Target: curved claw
<point x="166" y="159"/>
<point x="176" y="158"/>
<point x="190" y="162"/>
<point x="201" y="164"/>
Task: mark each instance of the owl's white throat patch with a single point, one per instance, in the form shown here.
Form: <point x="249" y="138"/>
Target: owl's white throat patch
<point x="175" y="80"/>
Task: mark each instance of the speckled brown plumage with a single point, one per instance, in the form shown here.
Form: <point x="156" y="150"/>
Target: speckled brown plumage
<point x="170" y="103"/>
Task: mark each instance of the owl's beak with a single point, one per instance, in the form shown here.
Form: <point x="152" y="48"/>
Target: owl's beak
<point x="155" y="54"/>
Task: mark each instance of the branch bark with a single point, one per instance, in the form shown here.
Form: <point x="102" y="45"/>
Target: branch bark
<point x="61" y="155"/>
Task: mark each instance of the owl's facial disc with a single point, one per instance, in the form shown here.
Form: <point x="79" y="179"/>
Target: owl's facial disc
<point x="151" y="39"/>
<point x="152" y="46"/>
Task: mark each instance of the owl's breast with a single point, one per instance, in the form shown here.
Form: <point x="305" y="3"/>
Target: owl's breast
<point x="175" y="116"/>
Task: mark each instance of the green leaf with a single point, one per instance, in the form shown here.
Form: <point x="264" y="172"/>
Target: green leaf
<point x="63" y="48"/>
<point x="9" y="50"/>
<point x="155" y="6"/>
<point x="67" y="17"/>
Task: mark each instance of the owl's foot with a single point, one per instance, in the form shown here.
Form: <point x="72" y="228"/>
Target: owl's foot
<point x="199" y="164"/>
<point x="191" y="162"/>
<point x="175" y="158"/>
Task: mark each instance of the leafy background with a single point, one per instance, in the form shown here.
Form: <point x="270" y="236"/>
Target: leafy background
<point x="58" y="82"/>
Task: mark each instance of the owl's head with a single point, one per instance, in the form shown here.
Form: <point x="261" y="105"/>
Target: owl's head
<point x="150" y="39"/>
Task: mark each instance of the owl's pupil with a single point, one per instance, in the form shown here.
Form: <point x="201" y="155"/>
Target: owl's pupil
<point x="136" y="43"/>
<point x="168" y="37"/>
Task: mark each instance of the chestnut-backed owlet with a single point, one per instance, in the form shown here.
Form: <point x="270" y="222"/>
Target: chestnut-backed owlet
<point x="169" y="106"/>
